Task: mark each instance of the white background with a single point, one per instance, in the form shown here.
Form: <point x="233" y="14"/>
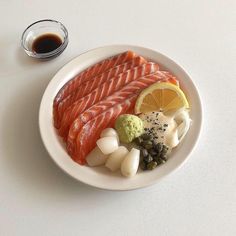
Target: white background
<point x="37" y="198"/>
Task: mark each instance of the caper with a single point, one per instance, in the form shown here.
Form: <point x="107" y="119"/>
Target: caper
<point x="157" y="157"/>
<point x="152" y="165"/>
<point x="163" y="157"/>
<point x="143" y="165"/>
<point x="158" y="147"/>
<point x="148" y="146"/>
<point x="158" y="161"/>
<point x="164" y="149"/>
<point x="144" y="153"/>
<point x="146" y="137"/>
<point x="152" y="152"/>
<point x="162" y="161"/>
<point x="154" y="142"/>
<point x="148" y="158"/>
<point x="138" y="140"/>
<point x="145" y="142"/>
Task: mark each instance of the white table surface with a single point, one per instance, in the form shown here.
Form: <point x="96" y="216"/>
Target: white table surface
<point x="37" y="198"/>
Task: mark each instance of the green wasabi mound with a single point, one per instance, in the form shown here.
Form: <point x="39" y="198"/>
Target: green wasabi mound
<point x="128" y="127"/>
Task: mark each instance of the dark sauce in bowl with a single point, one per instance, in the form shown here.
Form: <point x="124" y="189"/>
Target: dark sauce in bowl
<point x="46" y="43"/>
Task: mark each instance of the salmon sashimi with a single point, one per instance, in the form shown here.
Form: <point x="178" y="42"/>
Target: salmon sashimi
<point x="172" y="79"/>
<point x="130" y="90"/>
<point x="102" y="91"/>
<point x="89" y="73"/>
<point x="89" y="134"/>
<point x="92" y="71"/>
<point x="86" y="87"/>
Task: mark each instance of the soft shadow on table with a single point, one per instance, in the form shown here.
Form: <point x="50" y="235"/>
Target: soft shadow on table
<point x="11" y="54"/>
<point x="26" y="61"/>
<point x="24" y="154"/>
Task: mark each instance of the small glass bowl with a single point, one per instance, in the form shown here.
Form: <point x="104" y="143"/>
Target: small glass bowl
<point x="42" y="27"/>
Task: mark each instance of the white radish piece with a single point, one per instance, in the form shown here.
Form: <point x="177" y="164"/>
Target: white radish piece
<point x="172" y="139"/>
<point x="184" y="126"/>
<point x="115" y="159"/>
<point x="129" y="165"/>
<point x="96" y="157"/>
<point x="109" y="132"/>
<point x="107" y="144"/>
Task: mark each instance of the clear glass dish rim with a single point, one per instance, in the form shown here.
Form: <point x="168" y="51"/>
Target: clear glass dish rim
<point x="48" y="54"/>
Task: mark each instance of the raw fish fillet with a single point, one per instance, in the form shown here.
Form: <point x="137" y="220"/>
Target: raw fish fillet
<point x="87" y="74"/>
<point x="86" y="87"/>
<point x="92" y="71"/>
<point x="104" y="90"/>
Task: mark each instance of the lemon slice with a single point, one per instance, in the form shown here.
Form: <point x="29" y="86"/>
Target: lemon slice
<point x="161" y="97"/>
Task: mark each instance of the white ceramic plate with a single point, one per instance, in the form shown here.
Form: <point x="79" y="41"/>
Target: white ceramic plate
<point x="100" y="176"/>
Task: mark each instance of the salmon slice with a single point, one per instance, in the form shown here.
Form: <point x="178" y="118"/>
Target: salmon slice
<point x="131" y="89"/>
<point x="172" y="79"/>
<point x="89" y="134"/>
<point x="102" y="91"/>
<point x="92" y="71"/>
<point x="86" y="87"/>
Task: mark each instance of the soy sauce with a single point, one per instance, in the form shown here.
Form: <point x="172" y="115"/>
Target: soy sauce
<point x="46" y="43"/>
